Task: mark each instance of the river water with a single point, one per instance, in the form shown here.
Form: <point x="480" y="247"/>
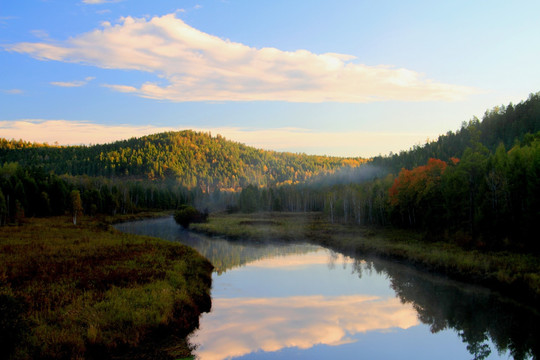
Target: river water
<point x="277" y="300"/>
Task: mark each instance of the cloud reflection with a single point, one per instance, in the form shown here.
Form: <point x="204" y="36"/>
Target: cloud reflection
<point x="239" y="326"/>
<point x="320" y="257"/>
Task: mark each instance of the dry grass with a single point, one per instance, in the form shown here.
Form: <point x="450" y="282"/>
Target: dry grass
<point x="89" y="291"/>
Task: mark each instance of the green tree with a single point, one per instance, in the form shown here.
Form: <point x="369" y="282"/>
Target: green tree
<point x="3" y="209"/>
<point x="19" y="212"/>
<point x="496" y="201"/>
<point x="249" y="200"/>
<point x="43" y="207"/>
<point x="76" y="205"/>
<point x="474" y="164"/>
<point x="58" y="195"/>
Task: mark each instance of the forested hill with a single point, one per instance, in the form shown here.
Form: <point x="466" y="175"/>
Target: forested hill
<point x="193" y="158"/>
<point x="503" y="124"/>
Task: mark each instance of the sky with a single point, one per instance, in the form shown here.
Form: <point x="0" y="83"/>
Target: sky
<point x="342" y="77"/>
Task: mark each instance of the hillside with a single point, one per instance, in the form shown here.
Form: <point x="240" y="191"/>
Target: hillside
<point x="478" y="188"/>
<point x="194" y="159"/>
<point x="503" y="124"/>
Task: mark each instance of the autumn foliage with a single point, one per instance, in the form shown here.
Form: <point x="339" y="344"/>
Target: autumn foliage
<point x="416" y="182"/>
<point x="483" y="200"/>
<point x="415" y="190"/>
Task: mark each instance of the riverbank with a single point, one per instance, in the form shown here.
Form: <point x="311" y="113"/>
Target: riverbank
<point x="511" y="273"/>
<point x="89" y="291"/>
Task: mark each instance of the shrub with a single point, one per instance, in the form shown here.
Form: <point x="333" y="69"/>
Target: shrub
<point x="187" y="215"/>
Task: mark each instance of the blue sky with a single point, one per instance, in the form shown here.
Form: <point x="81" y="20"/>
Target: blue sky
<point x="348" y="78"/>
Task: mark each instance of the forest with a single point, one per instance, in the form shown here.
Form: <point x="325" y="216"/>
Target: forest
<point x="508" y="125"/>
<point x="31" y="192"/>
<point x="155" y="172"/>
<point x="478" y="186"/>
<point x="193" y="159"/>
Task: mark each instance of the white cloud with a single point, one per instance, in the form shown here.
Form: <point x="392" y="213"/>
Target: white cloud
<point x="240" y="326"/>
<point x="77" y="83"/>
<point x="345" y="143"/>
<point x="13" y="91"/>
<point x="42" y="34"/>
<point x="201" y="67"/>
<point x="6" y="19"/>
<point x="340" y="143"/>
<point x="72" y="132"/>
<point x="122" y="88"/>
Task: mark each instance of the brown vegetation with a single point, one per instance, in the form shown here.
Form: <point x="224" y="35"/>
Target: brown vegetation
<point x="88" y="291"/>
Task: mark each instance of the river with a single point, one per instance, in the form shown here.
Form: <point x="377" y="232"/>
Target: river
<point x="277" y="300"/>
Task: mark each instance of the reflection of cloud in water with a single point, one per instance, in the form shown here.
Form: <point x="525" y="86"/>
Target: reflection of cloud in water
<point x="320" y="257"/>
<point x="239" y="326"/>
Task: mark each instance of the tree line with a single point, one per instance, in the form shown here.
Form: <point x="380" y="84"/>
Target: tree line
<point x="30" y="191"/>
<point x="483" y="200"/>
<point x="478" y="186"/>
<point x="193" y="159"/>
<point x="486" y="200"/>
<point x="503" y="124"/>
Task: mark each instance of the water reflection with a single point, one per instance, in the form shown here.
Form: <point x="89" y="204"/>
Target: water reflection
<point x="292" y="261"/>
<point x="223" y="254"/>
<point x="477" y="315"/>
<point x="241" y="326"/>
<point x="306" y="302"/>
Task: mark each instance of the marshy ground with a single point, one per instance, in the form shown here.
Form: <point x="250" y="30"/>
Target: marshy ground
<point x="89" y="291"/>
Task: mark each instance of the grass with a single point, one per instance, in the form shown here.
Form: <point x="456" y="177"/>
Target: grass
<point x="108" y="219"/>
<point x="516" y="274"/>
<point x="88" y="291"/>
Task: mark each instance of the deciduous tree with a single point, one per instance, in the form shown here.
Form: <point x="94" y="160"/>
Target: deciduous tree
<point x="76" y="205"/>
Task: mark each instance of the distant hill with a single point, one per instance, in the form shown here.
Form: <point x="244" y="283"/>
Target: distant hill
<point x="194" y="159"/>
<point x="199" y="160"/>
<point x="503" y="124"/>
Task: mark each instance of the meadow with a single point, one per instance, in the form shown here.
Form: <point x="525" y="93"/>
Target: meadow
<point x="89" y="291"/>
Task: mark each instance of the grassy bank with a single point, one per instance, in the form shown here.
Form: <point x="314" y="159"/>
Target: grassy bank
<point x="88" y="291"/>
<point x="516" y="274"/>
<point x="108" y="219"/>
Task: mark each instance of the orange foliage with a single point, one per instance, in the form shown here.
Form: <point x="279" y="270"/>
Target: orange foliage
<point x="410" y="185"/>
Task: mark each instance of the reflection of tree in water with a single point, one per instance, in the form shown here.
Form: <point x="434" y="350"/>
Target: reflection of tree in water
<point x="226" y="255"/>
<point x="223" y="254"/>
<point x="476" y="314"/>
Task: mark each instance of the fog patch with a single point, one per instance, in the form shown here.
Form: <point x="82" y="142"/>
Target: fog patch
<point x="348" y="175"/>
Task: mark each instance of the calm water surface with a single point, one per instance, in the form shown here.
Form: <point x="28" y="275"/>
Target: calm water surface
<point x="295" y="301"/>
